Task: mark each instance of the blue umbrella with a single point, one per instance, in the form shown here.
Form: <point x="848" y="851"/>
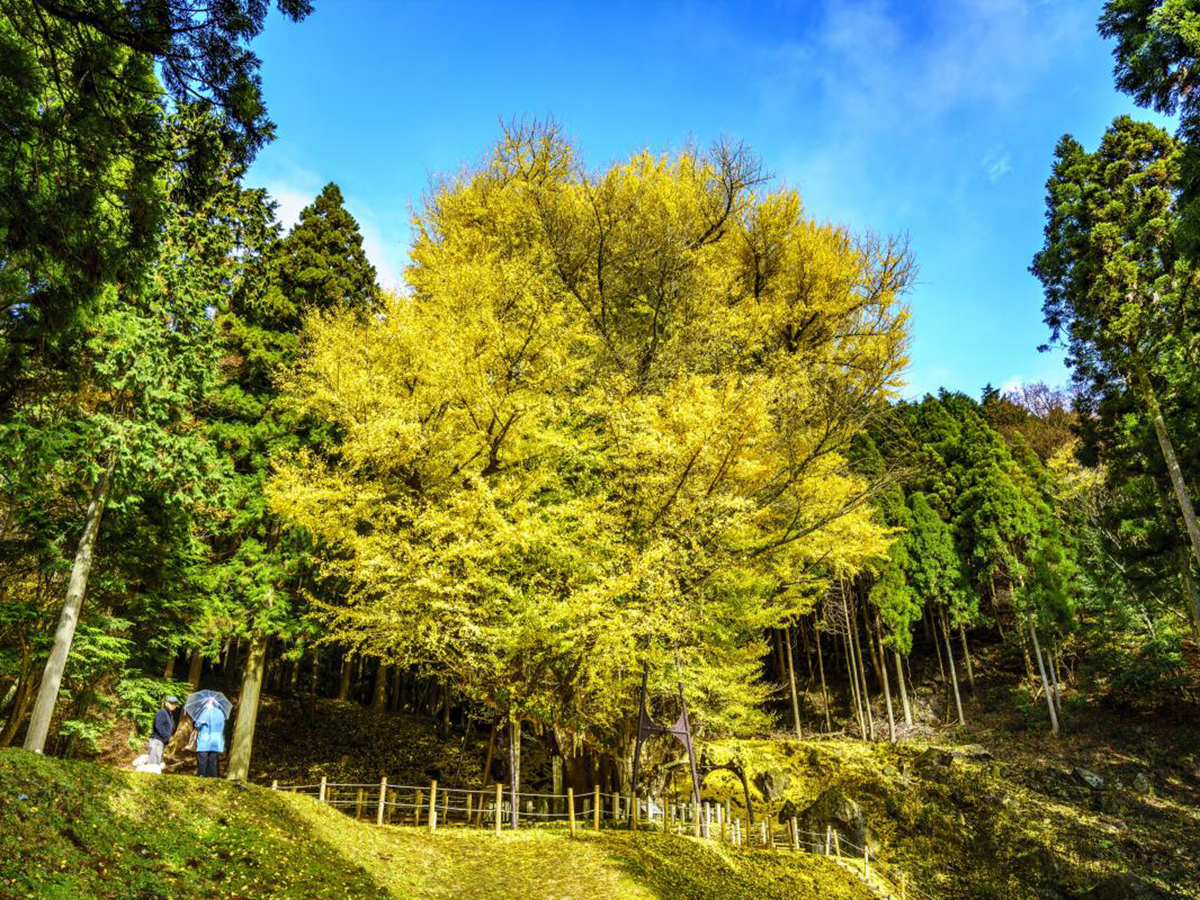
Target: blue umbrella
<point x="201" y="700"/>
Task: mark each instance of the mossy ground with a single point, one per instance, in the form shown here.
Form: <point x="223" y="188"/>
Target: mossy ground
<point x="81" y="830"/>
<point x="1011" y="817"/>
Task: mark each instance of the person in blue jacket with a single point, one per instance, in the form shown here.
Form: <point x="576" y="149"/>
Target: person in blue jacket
<point x="164" y="727"/>
<point x="210" y="739"/>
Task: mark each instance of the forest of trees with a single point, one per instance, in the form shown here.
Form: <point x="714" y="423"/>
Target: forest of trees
<point x="648" y="413"/>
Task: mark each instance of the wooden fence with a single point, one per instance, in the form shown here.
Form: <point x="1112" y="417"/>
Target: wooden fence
<point x="432" y="806"/>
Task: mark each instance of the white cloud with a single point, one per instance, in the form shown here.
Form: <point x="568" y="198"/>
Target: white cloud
<point x="996" y="163"/>
<point x="904" y="88"/>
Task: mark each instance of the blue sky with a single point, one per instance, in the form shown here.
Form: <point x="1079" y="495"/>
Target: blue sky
<point x="936" y="119"/>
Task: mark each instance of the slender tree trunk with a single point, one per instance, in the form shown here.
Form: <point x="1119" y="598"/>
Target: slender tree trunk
<point x="1054" y="680"/>
<point x="937" y="646"/>
<point x="995" y="605"/>
<point x="869" y="630"/>
<point x="1189" y="591"/>
<point x="247" y="714"/>
<point x="1045" y="681"/>
<point x="903" y="689"/>
<point x="953" y="673"/>
<point x="887" y="691"/>
<point x="20" y="700"/>
<point x="852" y="675"/>
<point x="43" y="708"/>
<point x="962" y="633"/>
<point x="862" y="671"/>
<point x="1168" y="452"/>
<point x="1185" y="565"/>
<point x="379" y="695"/>
<point x="347" y="670"/>
<point x="787" y="634"/>
<point x="824" y="690"/>
<point x="807" y="649"/>
<point x="195" y="669"/>
<point x="447" y="697"/>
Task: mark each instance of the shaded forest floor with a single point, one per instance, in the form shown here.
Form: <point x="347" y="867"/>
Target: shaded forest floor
<point x="81" y="830"/>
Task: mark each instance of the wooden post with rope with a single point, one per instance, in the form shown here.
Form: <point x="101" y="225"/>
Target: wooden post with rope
<point x="499" y="807"/>
<point x="571" y="808"/>
<point x="597" y="802"/>
<point x="433" y="805"/>
<point x="418" y="806"/>
<point x="382" y="801"/>
<point x="321" y="794"/>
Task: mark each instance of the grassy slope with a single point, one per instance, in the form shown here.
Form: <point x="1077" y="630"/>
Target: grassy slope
<point x="79" y="830"/>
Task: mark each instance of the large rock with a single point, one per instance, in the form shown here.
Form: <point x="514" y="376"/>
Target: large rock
<point x="1091" y="779"/>
<point x="772" y="783"/>
<point x="1142" y="784"/>
<point x="833" y="810"/>
<point x="1124" y="887"/>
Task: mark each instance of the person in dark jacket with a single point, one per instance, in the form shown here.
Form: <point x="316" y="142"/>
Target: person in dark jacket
<point x="164" y="727"/>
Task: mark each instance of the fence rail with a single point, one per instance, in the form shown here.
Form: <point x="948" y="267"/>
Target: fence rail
<point x="432" y="805"/>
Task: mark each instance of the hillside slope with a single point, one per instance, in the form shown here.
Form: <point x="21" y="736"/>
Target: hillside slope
<point x="80" y="830"/>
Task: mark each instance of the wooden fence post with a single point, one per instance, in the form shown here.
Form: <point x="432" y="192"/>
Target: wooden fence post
<point x="321" y="795"/>
<point x="274" y="784"/>
<point x="433" y="804"/>
<point x="597" y="802"/>
<point x="499" y="807"/>
<point x="469" y="796"/>
<point x="828" y="839"/>
<point x="571" y="808"/>
<point x="418" y="806"/>
<point x="634" y="810"/>
<point x="382" y="801"/>
<point x="795" y="834"/>
<point x="358" y="805"/>
<point x="837" y="846"/>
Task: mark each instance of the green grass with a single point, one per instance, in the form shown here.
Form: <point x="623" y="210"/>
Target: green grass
<point x="79" y="830"/>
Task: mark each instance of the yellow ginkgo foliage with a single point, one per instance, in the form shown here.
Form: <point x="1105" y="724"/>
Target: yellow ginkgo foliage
<point x="605" y="424"/>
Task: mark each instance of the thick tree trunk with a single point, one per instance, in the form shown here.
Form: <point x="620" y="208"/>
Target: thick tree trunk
<point x="247" y="714"/>
<point x="380" y="693"/>
<point x="1168" y="451"/>
<point x="824" y="690"/>
<point x="347" y="670"/>
<point x="43" y="708"/>
<point x="953" y="673"/>
<point x="787" y="633"/>
<point x="514" y="765"/>
<point x="962" y="633"/>
<point x="1045" y="681"/>
<point x="887" y="691"/>
<point x="195" y="669"/>
<point x="169" y="669"/>
<point x="908" y="720"/>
